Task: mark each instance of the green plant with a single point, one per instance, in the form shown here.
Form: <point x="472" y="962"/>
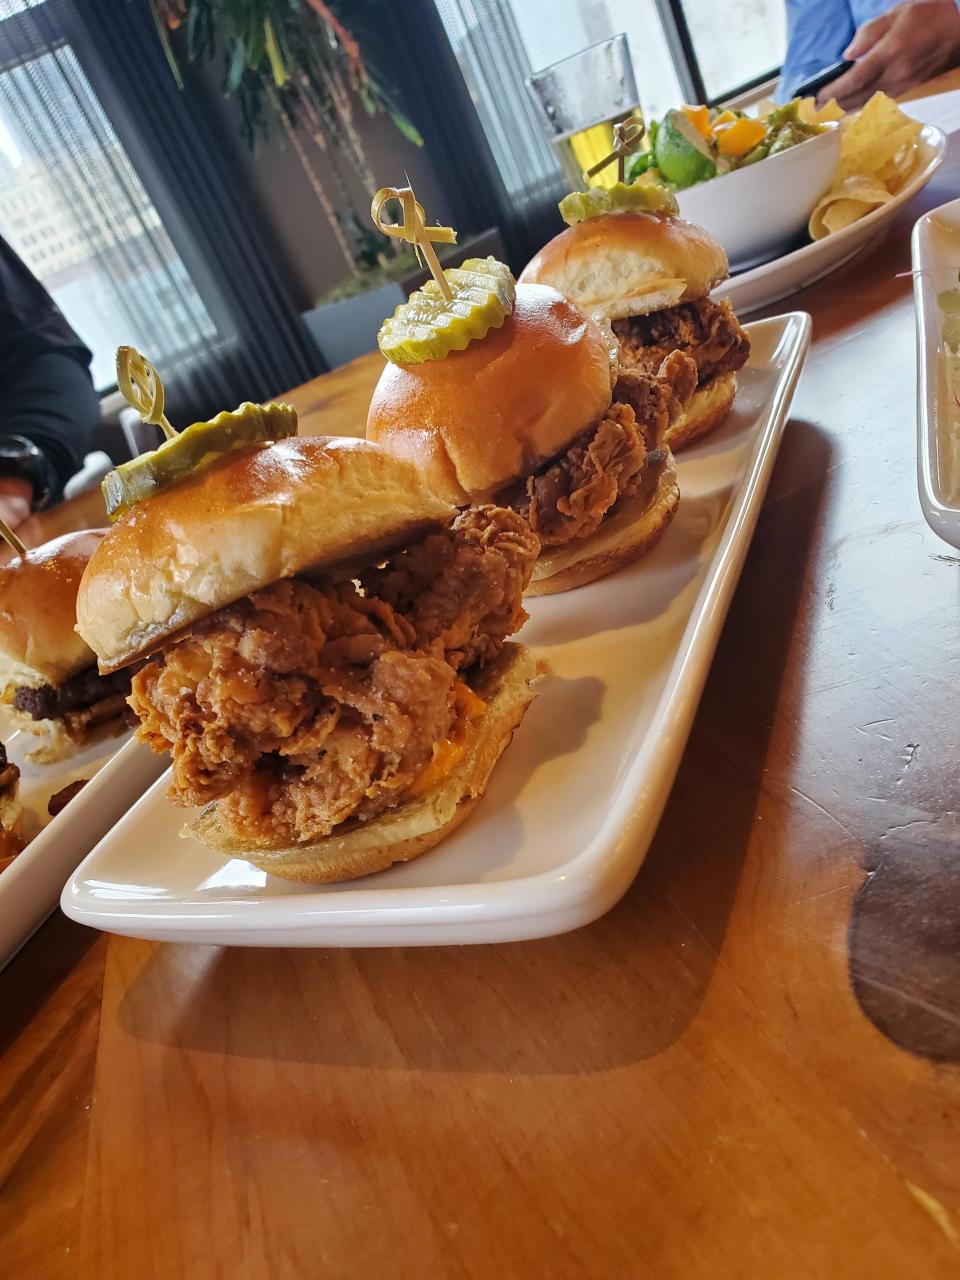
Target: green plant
<point x="296" y="65"/>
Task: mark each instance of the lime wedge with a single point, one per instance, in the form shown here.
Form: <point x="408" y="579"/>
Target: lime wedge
<point x="622" y="197"/>
<point x="428" y="326"/>
<point x="683" y="155"/>
<point x="195" y="447"/>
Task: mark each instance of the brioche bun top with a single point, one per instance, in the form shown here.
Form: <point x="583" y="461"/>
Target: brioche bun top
<point x="38" y="602"/>
<point x="480" y="418"/>
<point x="630" y="263"/>
<point x="255" y="516"/>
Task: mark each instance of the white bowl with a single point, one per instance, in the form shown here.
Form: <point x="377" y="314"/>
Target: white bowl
<point x="760" y="211"/>
<point x="936" y="253"/>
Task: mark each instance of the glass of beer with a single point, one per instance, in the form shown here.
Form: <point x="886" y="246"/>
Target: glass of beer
<point x="580" y="99"/>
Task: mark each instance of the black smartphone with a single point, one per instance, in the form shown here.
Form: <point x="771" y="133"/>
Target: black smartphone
<point x="810" y="87"/>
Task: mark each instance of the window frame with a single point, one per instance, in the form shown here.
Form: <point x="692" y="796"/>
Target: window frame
<point x="687" y="64"/>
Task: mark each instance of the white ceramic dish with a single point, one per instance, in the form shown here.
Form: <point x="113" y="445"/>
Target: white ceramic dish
<point x="758" y="212"/>
<point x="119" y="771"/>
<point x="766" y="284"/>
<point x="936" y="262"/>
<point x="574" y="801"/>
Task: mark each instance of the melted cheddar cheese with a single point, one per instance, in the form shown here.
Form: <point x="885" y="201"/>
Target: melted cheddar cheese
<point x="467" y="707"/>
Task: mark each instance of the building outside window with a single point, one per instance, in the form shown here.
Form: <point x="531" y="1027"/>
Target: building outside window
<point x="74" y="209"/>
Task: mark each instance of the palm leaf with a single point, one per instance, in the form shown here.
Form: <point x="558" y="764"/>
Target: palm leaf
<point x="236" y="66"/>
<point x="167" y="46"/>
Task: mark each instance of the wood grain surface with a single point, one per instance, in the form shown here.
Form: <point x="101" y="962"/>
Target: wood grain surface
<point x="749" y="1068"/>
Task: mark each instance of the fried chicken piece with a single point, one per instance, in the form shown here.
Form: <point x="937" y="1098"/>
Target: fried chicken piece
<point x="240" y="686"/>
<point x="707" y="331"/>
<point x="658" y="399"/>
<point x="374" y="744"/>
<point x="460" y="588"/>
<point x="311" y="702"/>
<point x="569" y="498"/>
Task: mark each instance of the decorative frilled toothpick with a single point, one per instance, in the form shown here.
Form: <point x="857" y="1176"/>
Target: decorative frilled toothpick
<point x="141" y="387"/>
<point x="11" y="539"/>
<point x="627" y="136"/>
<point x="414" y="230"/>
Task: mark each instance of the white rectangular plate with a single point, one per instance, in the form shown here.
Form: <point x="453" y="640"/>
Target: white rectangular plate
<point x="118" y="771"/>
<point x="936" y="265"/>
<point x="575" y="799"/>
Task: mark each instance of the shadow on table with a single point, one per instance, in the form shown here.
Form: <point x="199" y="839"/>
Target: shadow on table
<point x="619" y="990"/>
<point x="696" y="857"/>
<point x="37" y="971"/>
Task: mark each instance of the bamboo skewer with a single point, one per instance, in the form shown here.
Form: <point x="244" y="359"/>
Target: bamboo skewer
<point x="627" y="136"/>
<point x="11" y="539"/>
<point x="414" y="230"/>
<point x="141" y="387"/>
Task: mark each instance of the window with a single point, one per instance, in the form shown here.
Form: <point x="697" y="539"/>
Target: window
<point x="554" y="29"/>
<point x="682" y="50"/>
<point x="499" y="43"/>
<point x="735" y="44"/>
<point x="105" y="257"/>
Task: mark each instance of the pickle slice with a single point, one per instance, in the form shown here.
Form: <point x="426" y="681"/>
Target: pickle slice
<point x="194" y="448"/>
<point x="621" y="197"/>
<point x="428" y="327"/>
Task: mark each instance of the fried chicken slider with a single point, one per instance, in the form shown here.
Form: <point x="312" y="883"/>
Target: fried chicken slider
<point x="324" y="645"/>
<point x="48" y="675"/>
<point x="650" y="274"/>
<point x="535" y="417"/>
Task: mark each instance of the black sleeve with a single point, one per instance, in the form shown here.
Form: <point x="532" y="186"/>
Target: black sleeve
<point x="50" y="399"/>
<point x="46" y="392"/>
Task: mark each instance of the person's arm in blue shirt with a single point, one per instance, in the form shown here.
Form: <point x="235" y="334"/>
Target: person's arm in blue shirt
<point x="818" y="31"/>
<point x="898" y="50"/>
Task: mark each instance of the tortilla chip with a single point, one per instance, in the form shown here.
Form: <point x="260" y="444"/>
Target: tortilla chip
<point x="809" y="113"/>
<point x="878" y="151"/>
<point x="845" y="204"/>
<point x="878" y="116"/>
<point x="887" y="158"/>
<point x="897" y="168"/>
<point x="879" y="135"/>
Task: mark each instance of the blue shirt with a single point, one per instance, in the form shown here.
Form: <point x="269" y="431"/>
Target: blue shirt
<point x="818" y="31"/>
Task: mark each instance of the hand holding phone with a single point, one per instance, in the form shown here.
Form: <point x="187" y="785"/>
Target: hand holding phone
<point x="810" y="87"/>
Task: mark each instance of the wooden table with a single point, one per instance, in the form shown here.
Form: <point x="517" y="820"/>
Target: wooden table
<point x="747" y="1069"/>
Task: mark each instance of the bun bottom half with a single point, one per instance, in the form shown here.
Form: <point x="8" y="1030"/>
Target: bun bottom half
<point x="708" y="408"/>
<point x="624" y="536"/>
<point x="416" y="825"/>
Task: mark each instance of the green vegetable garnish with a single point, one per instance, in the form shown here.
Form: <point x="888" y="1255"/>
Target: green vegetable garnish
<point x="622" y="197"/>
<point x="193" y="449"/>
<point x="682" y="153"/>
<point x="684" y="156"/>
<point x="640" y="162"/>
<point x="428" y="326"/>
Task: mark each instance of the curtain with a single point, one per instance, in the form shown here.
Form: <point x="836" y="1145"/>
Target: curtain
<point x="122" y="200"/>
